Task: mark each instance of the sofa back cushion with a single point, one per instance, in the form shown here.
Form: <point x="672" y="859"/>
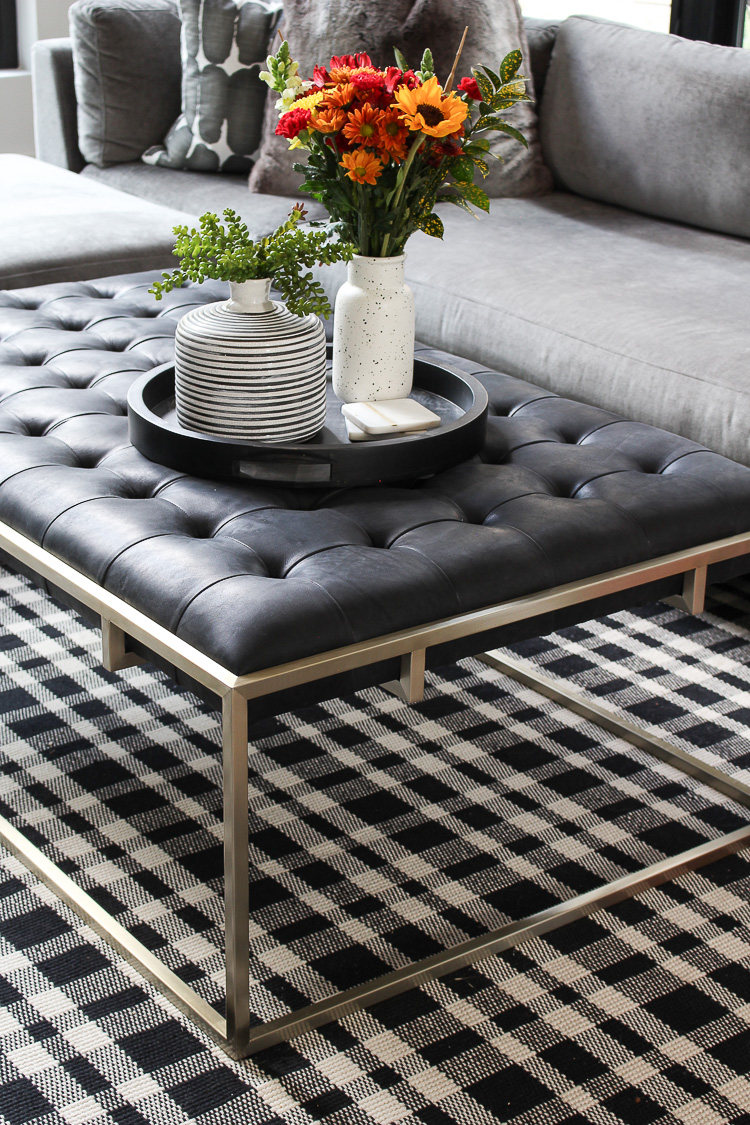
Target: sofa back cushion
<point x="651" y="122"/>
<point x="540" y="35"/>
<point x="127" y="73"/>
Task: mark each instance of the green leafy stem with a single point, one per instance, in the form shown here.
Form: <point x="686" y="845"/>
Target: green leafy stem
<point x="228" y="253"/>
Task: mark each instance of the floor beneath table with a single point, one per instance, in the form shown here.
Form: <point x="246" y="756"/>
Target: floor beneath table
<point x="379" y="834"/>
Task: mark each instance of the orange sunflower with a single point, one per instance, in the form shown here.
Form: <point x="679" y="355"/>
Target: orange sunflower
<point x="361" y="166"/>
<point x="362" y="125"/>
<point x="427" y="110"/>
<point x="392" y="135"/>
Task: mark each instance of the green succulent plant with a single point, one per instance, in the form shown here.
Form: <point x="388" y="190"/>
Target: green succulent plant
<point x="228" y="253"/>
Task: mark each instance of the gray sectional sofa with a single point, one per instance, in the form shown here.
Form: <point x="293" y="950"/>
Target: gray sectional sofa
<point x="627" y="287"/>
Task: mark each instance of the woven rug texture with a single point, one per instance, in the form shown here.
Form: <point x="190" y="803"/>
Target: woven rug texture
<point x="380" y="834"/>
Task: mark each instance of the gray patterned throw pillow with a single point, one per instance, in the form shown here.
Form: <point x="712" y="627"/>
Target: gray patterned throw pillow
<point x="224" y="47"/>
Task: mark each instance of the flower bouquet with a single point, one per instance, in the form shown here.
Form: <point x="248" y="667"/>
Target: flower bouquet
<point x="386" y="145"/>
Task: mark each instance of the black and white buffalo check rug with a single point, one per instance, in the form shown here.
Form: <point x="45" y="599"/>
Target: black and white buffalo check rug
<point x="380" y="834"/>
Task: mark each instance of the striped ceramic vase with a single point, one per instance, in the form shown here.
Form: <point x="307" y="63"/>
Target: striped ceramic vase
<point x="250" y="369"/>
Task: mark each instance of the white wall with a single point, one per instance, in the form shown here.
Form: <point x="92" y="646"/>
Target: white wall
<point x="16" y="118"/>
<point x="652" y="15"/>
<point x="37" y="19"/>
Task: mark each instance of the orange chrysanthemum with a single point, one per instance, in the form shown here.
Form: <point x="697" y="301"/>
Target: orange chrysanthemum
<point x="392" y="135"/>
<point x="328" y="120"/>
<point x="362" y="125"/>
<point x="361" y="166"/>
<point x="339" y="74"/>
<point x="427" y="110"/>
<point x="339" y="97"/>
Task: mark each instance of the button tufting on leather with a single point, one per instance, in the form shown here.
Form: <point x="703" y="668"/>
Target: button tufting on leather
<point x="284" y="539"/>
<point x="256" y="575"/>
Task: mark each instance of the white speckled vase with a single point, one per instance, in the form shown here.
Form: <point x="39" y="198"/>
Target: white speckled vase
<point x="373" y="331"/>
<point x="248" y="368"/>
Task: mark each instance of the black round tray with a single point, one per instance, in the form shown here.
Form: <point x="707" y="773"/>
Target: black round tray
<point x="327" y="459"/>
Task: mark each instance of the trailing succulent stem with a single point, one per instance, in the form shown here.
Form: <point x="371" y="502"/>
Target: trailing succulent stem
<point x="227" y="253"/>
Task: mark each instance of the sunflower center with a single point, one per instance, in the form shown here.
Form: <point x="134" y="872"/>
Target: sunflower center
<point x="430" y="114"/>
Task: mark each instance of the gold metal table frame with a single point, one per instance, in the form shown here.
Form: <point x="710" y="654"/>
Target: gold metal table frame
<point x="121" y="621"/>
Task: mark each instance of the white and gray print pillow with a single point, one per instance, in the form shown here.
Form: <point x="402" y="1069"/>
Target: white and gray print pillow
<point x="224" y="47"/>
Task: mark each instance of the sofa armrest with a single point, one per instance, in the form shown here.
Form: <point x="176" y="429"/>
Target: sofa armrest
<point x="55" y="106"/>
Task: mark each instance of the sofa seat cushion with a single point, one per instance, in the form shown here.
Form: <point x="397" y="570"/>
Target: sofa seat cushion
<point x="256" y="575"/>
<point x="59" y="226"/>
<point x="606" y="306"/>
<point x="198" y="192"/>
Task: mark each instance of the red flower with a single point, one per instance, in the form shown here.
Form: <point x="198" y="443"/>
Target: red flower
<point x="292" y="123"/>
<point x="352" y="61"/>
<point x="395" y="77"/>
<point x="367" y="83"/>
<point x="320" y="76"/>
<point x="470" y="86"/>
<point x="449" y="146"/>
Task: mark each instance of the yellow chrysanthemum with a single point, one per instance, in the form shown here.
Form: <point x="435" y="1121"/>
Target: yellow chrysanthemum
<point x="361" y="166"/>
<point x="427" y="110"/>
<point x="310" y="101"/>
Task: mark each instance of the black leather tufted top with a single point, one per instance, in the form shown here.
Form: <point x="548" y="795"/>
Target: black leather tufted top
<point x="259" y="575"/>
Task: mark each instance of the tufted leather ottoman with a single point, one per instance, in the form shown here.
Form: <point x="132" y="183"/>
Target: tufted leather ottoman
<point x="273" y="596"/>
<point x="260" y="575"/>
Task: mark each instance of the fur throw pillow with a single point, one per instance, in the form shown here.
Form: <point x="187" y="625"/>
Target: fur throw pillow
<point x="317" y="29"/>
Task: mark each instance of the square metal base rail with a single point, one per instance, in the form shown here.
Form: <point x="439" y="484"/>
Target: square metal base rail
<point x="121" y="621"/>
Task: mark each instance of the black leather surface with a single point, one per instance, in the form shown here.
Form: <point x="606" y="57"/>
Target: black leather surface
<point x="258" y="575"/>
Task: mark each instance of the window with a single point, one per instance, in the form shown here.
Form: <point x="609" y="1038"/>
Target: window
<point x="652" y="15"/>
<point x="8" y="39"/>
<point x="718" y="21"/>
<point x="721" y="21"/>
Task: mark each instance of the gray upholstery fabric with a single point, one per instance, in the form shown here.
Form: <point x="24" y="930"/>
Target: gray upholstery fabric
<point x="55" y="107"/>
<point x="126" y="61"/>
<point x="632" y="314"/>
<point x="651" y="122"/>
<point x="224" y="46"/>
<point x="540" y="35"/>
<point x="198" y="192"/>
<point x="317" y="29"/>
<point x="58" y="226"/>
